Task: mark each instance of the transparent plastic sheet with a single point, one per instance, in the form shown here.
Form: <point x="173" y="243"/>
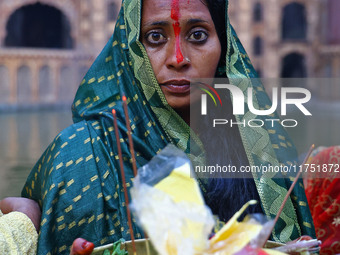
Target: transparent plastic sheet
<point x="167" y="203"/>
<point x="174" y="216"/>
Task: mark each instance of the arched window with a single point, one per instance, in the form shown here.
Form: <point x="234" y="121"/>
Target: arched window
<point x="4" y="84"/>
<point x="333" y="30"/>
<point x="38" y="26"/>
<point x="258" y="12"/>
<point x="257" y="46"/>
<point x="294" y="23"/>
<point x="327" y="70"/>
<point x="24" y="85"/>
<point x="45" y="85"/>
<point x="294" y="66"/>
<point x="112" y="12"/>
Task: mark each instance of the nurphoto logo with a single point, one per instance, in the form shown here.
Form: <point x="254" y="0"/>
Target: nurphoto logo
<point x="239" y="101"/>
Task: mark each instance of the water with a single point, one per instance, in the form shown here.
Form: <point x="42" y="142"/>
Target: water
<point x="321" y="129"/>
<point x="24" y="137"/>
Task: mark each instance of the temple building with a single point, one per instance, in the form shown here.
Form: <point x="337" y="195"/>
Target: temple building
<point x="46" y="46"/>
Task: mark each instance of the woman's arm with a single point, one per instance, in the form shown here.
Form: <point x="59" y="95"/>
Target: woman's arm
<point x="23" y="205"/>
<point x="19" y="226"/>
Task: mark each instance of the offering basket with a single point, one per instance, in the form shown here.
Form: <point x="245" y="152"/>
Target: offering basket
<point x="142" y="246"/>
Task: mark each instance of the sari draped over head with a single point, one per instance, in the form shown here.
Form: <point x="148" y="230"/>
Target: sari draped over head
<point x="77" y="180"/>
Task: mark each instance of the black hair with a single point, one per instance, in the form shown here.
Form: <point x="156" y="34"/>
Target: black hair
<point x="217" y="9"/>
<point x="225" y="196"/>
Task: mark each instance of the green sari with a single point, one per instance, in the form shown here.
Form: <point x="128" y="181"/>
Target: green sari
<point x="77" y="181"/>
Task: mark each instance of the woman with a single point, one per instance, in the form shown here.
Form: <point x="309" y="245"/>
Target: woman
<point x="151" y="59"/>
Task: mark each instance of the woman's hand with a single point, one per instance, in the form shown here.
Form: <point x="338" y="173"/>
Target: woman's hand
<point x="24" y="205"/>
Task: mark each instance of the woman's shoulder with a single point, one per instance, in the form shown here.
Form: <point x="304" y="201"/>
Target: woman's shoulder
<point x="74" y="131"/>
<point x="68" y="155"/>
<point x="74" y="137"/>
<point x="69" y="147"/>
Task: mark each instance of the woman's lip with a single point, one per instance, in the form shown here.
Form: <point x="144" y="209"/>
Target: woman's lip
<point x="177" y="86"/>
<point x="179" y="89"/>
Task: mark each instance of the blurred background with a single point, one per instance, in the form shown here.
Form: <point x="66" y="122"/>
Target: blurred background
<point x="46" y="47"/>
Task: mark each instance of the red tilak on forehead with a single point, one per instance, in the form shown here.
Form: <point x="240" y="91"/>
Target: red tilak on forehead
<point x="175" y="10"/>
<point x="177" y="29"/>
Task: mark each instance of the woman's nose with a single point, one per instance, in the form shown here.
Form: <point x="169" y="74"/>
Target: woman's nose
<point x="176" y="58"/>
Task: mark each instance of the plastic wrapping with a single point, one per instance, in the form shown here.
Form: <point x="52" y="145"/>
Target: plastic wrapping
<point x="169" y="206"/>
<point x="235" y="235"/>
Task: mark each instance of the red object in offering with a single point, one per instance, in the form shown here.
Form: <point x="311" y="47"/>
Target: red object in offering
<point x="247" y="250"/>
<point x="81" y="247"/>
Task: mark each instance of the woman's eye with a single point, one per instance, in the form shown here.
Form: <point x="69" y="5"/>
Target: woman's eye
<point x="155" y="38"/>
<point x="198" y="36"/>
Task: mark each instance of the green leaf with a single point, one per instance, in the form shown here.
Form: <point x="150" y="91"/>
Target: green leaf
<point x="117" y="250"/>
<point x="106" y="252"/>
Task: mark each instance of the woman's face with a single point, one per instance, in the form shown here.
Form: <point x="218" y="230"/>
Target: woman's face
<point x="182" y="44"/>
